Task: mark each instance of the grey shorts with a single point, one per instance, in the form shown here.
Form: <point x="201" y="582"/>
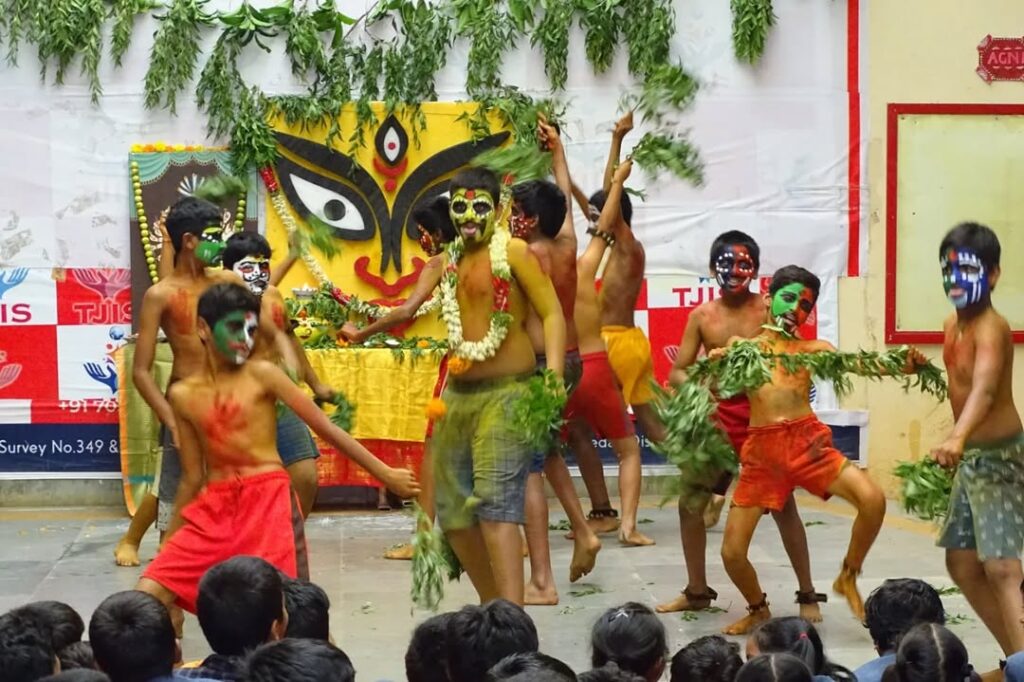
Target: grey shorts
<point x="985" y="512"/>
<point x="480" y="460"/>
<point x="170" y="476"/>
<point x="572" y="375"/>
<point x="294" y="442"/>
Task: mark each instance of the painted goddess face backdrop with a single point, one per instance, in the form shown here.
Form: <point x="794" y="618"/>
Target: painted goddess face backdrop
<point x="734" y="268"/>
<point x="474" y="215"/>
<point x="255" y="271"/>
<point x="964" y="278"/>
<point x="791" y="306"/>
<point x="234" y="335"/>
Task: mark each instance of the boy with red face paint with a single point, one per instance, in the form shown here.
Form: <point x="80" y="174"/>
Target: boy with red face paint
<point x="235" y="497"/>
<point x="984" y="533"/>
<point x="788" y="447"/>
<point x="738" y="312"/>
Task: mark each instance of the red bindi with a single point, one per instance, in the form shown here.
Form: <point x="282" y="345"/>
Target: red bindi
<point x="470" y="193"/>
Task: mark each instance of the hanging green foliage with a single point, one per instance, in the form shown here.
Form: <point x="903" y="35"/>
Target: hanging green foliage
<point x="600" y="21"/>
<point x="925" y="488"/>
<point x="648" y="26"/>
<point x="67" y="28"/>
<point x="124" y="13"/>
<point x="552" y="35"/>
<point x="490" y="33"/>
<point x="751" y="21"/>
<point x="172" y="60"/>
<point x="220" y="85"/>
<point x="253" y="144"/>
<point x="20" y="20"/>
<point x="669" y="153"/>
<point x="304" y="43"/>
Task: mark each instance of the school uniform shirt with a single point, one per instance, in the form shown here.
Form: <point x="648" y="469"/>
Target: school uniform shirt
<point x="872" y="670"/>
<point x="215" y="667"/>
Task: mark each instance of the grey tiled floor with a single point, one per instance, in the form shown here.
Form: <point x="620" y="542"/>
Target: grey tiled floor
<point x="66" y="555"/>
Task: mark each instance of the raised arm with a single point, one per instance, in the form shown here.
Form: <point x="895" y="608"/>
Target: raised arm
<point x="622" y="127"/>
<point x="553" y="141"/>
<point x="400" y="481"/>
<point x="540" y="292"/>
<point x="280" y="271"/>
<point x="428" y="280"/>
<point x="193" y="469"/>
<point x="582" y="200"/>
<point x="142" y="365"/>
<point x="589" y="263"/>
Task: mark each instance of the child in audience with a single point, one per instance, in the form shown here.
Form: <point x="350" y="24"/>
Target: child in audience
<point x="62" y="622"/>
<point x="26" y="649"/>
<point x="796" y="636"/>
<point x="299" y="660"/>
<point x="707" y="659"/>
<point x="240" y="607"/>
<point x="427" y="655"/>
<point x="633" y="638"/>
<point x="132" y="638"/>
<point x="774" y="668"/>
<point x="610" y="672"/>
<point x="308" y="610"/>
<point x="77" y="675"/>
<point x="893" y="608"/>
<point x="77" y="655"/>
<point x="477" y="637"/>
<point x="531" y="667"/>
<point x="930" y="653"/>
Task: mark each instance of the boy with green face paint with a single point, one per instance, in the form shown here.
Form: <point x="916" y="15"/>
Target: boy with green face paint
<point x="788" y="447"/>
<point x="235" y="497"/>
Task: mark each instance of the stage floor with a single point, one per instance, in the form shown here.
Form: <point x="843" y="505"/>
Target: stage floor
<point x="66" y="555"/>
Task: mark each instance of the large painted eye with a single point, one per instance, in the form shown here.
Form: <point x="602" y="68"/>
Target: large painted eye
<point x="328" y="206"/>
<point x="459" y="207"/>
<point x="481" y="208"/>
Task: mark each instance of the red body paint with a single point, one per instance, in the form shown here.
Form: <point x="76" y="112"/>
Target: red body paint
<point x="183" y="312"/>
<point x="277" y="312"/>
<point x="223" y="420"/>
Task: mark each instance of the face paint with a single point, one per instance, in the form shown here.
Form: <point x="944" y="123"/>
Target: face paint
<point x="211" y="245"/>
<point x="473" y="213"/>
<point x="234" y="335"/>
<point x="255" y="272"/>
<point x="791" y="306"/>
<point x="521" y="226"/>
<point x="964" y="278"/>
<point x="427" y="243"/>
<point x="734" y="268"/>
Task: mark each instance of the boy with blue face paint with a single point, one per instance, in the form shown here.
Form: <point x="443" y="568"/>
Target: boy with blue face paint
<point x="984" y="531"/>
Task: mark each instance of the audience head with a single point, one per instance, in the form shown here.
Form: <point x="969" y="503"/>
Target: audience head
<point x="308" y="610"/>
<point x="77" y="655"/>
<point x="707" y="659"/>
<point x="896" y="606"/>
<point x="633" y="638"/>
<point x="530" y="667"/>
<point x="77" y="675"/>
<point x="774" y="668"/>
<point x="26" y="649"/>
<point x="537" y="206"/>
<point x="299" y="660"/>
<point x="63" y="622"/>
<point x="598" y="199"/>
<point x="793" y="635"/>
<point x="929" y="652"/>
<point x="132" y="637"/>
<point x="425" y="658"/>
<point x="610" y="672"/>
<point x="477" y="637"/>
<point x="241" y="605"/>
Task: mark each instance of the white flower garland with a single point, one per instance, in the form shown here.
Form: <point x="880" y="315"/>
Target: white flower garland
<point x="487" y="347"/>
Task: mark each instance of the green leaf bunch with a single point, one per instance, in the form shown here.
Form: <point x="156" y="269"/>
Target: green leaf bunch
<point x="659" y="153"/>
<point x="321" y="236"/>
<point x="124" y="13"/>
<point x="221" y="187"/>
<point x="925" y="488"/>
<point x="67" y="28"/>
<point x="490" y="34"/>
<point x="304" y="41"/>
<point x="20" y="19"/>
<point x="433" y="563"/>
<point x="668" y="88"/>
<point x="253" y="144"/>
<point x="600" y="22"/>
<point x="648" y="26"/>
<point x="751" y="21"/>
<point x="344" y="413"/>
<point x="175" y="52"/>
<point x="552" y="35"/>
<point x="520" y="161"/>
<point x="538" y="415"/>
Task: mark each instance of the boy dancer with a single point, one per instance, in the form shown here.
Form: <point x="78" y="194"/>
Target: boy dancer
<point x="983" y="534"/>
<point x="738" y="312"/>
<point x="480" y="461"/>
<point x="788" y="447"/>
<point x="243" y="502"/>
<point x="194" y="229"/>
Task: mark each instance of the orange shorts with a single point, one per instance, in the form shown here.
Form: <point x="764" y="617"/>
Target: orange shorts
<point x="779" y="458"/>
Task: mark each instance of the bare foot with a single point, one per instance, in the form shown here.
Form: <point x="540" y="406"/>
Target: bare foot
<point x="537" y="596"/>
<point x="684" y="602"/>
<point x="810" y="612"/>
<point x="601" y="525"/>
<point x="747" y="623"/>
<point x="126" y="554"/>
<point x="846" y="587"/>
<point x="633" y="538"/>
<point x="713" y="511"/>
<point x="584" y="555"/>
<point x="402" y="552"/>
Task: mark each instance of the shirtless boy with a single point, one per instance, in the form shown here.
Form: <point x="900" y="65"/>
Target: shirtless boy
<point x="983" y="534"/>
<point x="480" y="461"/>
<point x="737" y="312"/>
<point x="194" y="228"/>
<point x="541" y="216"/>
<point x="234" y="497"/>
<point x="787" y="447"/>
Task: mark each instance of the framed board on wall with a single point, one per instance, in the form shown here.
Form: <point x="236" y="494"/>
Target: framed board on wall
<point x="946" y="164"/>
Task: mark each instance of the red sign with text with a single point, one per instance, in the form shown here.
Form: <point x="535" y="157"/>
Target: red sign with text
<point x="1001" y="59"/>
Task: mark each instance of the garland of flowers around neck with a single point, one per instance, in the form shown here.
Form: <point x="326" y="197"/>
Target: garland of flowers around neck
<point x="501" y="281"/>
<point x="351" y="302"/>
